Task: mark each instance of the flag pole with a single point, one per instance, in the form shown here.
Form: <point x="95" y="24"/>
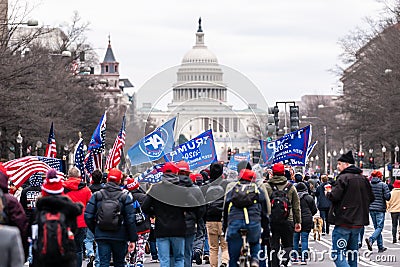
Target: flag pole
<point x="175" y="134"/>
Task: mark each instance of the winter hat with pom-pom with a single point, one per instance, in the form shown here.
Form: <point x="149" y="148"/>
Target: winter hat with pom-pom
<point x="52" y="185"/>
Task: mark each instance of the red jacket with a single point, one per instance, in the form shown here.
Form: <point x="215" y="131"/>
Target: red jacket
<point x="77" y="191"/>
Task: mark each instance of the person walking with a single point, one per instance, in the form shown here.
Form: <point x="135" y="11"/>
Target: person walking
<point x="308" y="210"/>
<point x="143" y="229"/>
<point x="15" y="213"/>
<point x="75" y="188"/>
<point x="215" y="193"/>
<point x="162" y="201"/>
<point x="55" y="221"/>
<point x="350" y="196"/>
<point x="11" y="250"/>
<point x="245" y="208"/>
<point x="393" y="206"/>
<point x="282" y="225"/>
<point x="110" y="215"/>
<point x="323" y="203"/>
<point x="377" y="210"/>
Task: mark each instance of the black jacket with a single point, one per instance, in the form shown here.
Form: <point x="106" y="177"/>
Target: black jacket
<point x="193" y="215"/>
<point x="139" y="195"/>
<point x="163" y="201"/>
<point x="214" y="192"/>
<point x="308" y="210"/>
<point x="351" y="197"/>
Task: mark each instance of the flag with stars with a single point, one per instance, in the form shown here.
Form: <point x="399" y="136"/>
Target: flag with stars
<point x="114" y="158"/>
<point x="79" y="157"/>
<point x="152" y="175"/>
<point x="21" y="169"/>
<point x="97" y="144"/>
<point x="51" y="150"/>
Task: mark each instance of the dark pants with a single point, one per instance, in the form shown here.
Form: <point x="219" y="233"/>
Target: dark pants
<point x="79" y="237"/>
<point x="153" y="250"/>
<point x="324" y="216"/>
<point x="118" y="250"/>
<point x="282" y="233"/>
<point x="395" y="222"/>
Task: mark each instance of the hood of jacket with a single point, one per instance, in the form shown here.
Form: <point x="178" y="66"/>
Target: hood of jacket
<point x="170" y="178"/>
<point x="302" y="193"/>
<point x="184" y="180"/>
<point x="74" y="184"/>
<point x="375" y="180"/>
<point x="112" y="187"/>
<point x="278" y="180"/>
<point x="352" y="169"/>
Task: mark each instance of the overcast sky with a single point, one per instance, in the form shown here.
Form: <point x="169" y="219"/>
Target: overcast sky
<point x="286" y="47"/>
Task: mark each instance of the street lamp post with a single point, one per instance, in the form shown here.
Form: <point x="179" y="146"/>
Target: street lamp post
<point x="384" y="161"/>
<point x="19" y="140"/>
<point x="396" y="151"/>
<point x="371" y="158"/>
<point x="330" y="162"/>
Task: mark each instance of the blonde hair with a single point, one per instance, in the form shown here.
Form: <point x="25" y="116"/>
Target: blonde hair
<point x="74" y="172"/>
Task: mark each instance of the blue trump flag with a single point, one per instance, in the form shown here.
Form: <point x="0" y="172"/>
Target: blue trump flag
<point x="199" y="151"/>
<point x="267" y="152"/>
<point x="154" y="145"/>
<point x="236" y="158"/>
<point x="290" y="149"/>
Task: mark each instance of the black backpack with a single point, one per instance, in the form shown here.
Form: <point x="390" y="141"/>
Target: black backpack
<point x="3" y="208"/>
<point x="109" y="214"/>
<point x="280" y="204"/>
<point x="55" y="241"/>
<point x="245" y="195"/>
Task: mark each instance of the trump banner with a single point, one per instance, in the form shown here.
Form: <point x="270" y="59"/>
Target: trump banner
<point x="199" y="151"/>
<point x="154" y="145"/>
<point x="236" y="158"/>
<point x="152" y="175"/>
<point x="290" y="149"/>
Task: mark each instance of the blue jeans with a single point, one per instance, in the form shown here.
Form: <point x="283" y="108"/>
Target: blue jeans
<point x="79" y="237"/>
<point x="361" y="236"/>
<point x="345" y="246"/>
<point x="324" y="216"/>
<point x="304" y="244"/>
<point x="118" y="250"/>
<point x="378" y="219"/>
<point x="189" y="250"/>
<point x="89" y="247"/>
<point x="164" y="247"/>
<point x="235" y="241"/>
<point x="153" y="250"/>
<point x="206" y="245"/>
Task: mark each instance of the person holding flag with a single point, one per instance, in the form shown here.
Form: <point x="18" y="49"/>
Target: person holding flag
<point x="51" y="150"/>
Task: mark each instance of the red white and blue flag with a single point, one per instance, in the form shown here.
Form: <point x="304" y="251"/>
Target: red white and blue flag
<point x="96" y="147"/>
<point x="114" y="158"/>
<point x="51" y="150"/>
<point x="19" y="170"/>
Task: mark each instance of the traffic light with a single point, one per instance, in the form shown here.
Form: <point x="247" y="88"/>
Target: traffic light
<point x="271" y="128"/>
<point x="276" y="117"/>
<point x="371" y="162"/>
<point x="294" y="118"/>
<point x="229" y="153"/>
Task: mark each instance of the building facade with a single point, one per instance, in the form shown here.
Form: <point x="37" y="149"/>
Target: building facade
<point x="200" y="102"/>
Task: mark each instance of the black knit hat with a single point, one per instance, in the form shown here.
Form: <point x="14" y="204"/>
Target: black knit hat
<point x="301" y="187"/>
<point x="348" y="157"/>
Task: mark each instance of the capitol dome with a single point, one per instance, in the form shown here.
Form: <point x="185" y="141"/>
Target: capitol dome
<point x="199" y="54"/>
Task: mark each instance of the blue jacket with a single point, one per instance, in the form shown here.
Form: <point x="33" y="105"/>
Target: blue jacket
<point x="256" y="212"/>
<point x="381" y="193"/>
<point x="323" y="202"/>
<point x="127" y="231"/>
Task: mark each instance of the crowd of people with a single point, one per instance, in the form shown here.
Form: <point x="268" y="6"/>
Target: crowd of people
<point x="193" y="217"/>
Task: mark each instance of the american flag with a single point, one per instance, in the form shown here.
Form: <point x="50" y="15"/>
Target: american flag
<point x="79" y="157"/>
<point x="21" y="169"/>
<point x="51" y="150"/>
<point x="89" y="162"/>
<point x="96" y="145"/>
<point x="114" y="158"/>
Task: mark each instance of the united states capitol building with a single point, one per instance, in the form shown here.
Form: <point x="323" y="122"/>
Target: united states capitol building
<point x="201" y="101"/>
